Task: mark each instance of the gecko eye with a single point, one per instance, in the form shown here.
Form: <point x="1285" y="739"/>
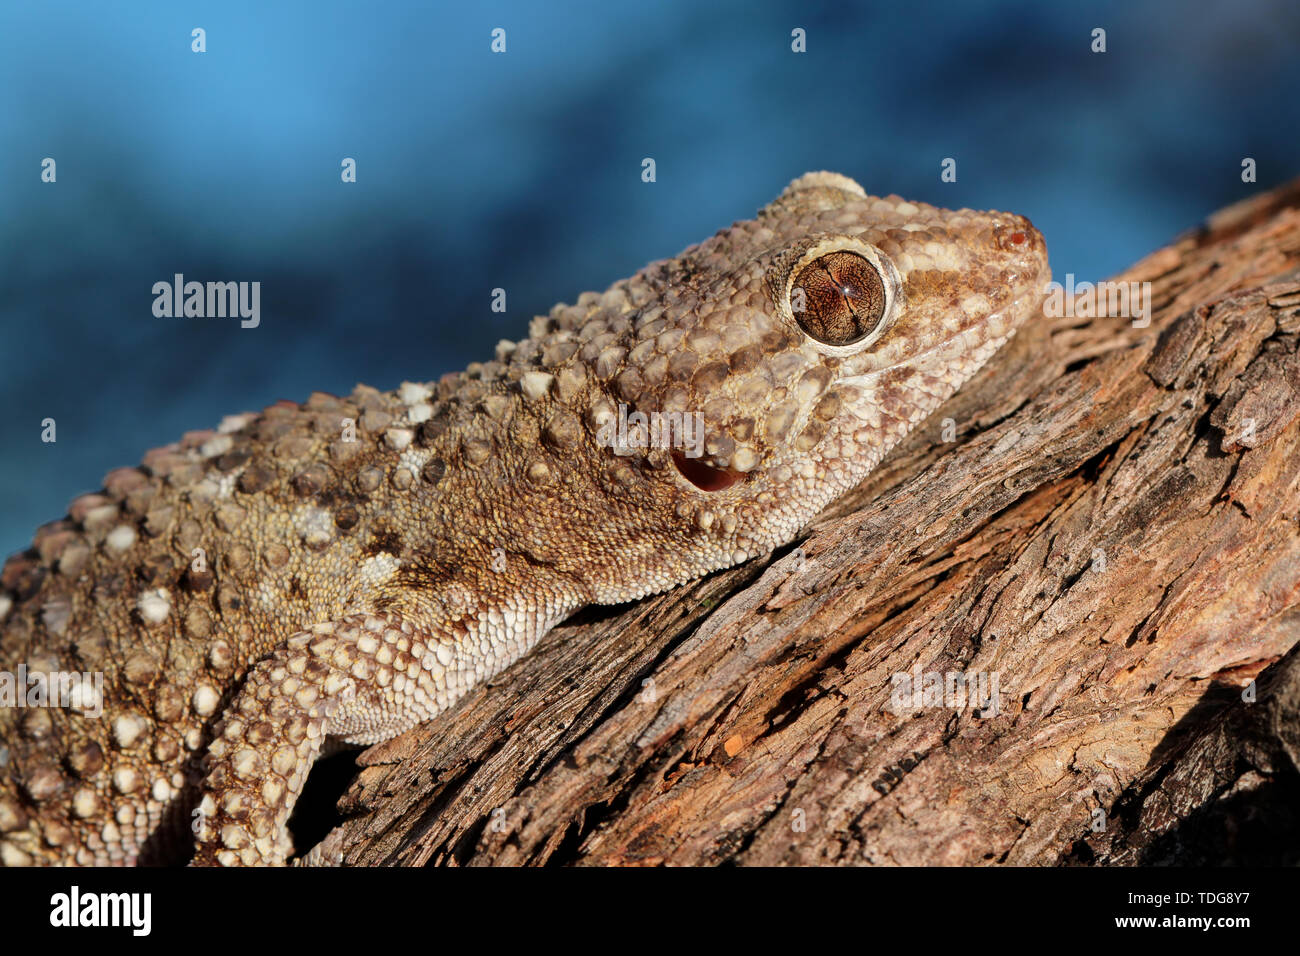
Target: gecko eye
<point x="843" y="298"/>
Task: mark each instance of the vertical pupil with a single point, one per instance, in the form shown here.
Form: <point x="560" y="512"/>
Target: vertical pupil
<point x="844" y="298"/>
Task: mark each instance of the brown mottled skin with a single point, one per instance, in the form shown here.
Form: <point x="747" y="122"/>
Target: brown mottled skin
<point x="248" y="592"/>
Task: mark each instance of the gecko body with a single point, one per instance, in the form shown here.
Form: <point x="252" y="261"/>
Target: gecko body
<point x="350" y="567"/>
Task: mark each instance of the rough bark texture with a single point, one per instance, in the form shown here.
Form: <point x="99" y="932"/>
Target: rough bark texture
<point x="1113" y="533"/>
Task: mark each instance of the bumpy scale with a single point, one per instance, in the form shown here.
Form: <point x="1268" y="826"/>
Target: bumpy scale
<point x="352" y="566"/>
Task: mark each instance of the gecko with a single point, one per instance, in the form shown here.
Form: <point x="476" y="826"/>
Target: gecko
<point x="349" y="567"/>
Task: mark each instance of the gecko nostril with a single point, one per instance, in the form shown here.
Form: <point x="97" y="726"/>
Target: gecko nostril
<point x="1014" y="236"/>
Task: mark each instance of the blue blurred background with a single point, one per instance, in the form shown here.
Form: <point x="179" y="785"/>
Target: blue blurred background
<point x="522" y="170"/>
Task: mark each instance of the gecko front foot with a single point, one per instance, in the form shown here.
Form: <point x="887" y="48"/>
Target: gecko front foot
<point x="365" y="678"/>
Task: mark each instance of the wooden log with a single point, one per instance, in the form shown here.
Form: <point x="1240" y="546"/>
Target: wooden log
<point x="1111" y="533"/>
<point x="1225" y="791"/>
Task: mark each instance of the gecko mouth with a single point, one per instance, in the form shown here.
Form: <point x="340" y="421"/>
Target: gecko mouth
<point x="705" y="477"/>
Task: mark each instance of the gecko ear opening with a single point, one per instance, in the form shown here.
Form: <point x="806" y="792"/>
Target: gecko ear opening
<point x="705" y="477"/>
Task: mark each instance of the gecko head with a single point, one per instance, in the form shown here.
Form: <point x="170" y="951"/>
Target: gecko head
<point x="885" y="308"/>
<point x="776" y="362"/>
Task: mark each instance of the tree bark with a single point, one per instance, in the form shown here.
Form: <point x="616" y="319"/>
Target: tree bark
<point x="1111" y="533"/>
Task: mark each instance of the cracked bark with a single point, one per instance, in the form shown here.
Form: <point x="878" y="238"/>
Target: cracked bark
<point x="1113" y="533"/>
